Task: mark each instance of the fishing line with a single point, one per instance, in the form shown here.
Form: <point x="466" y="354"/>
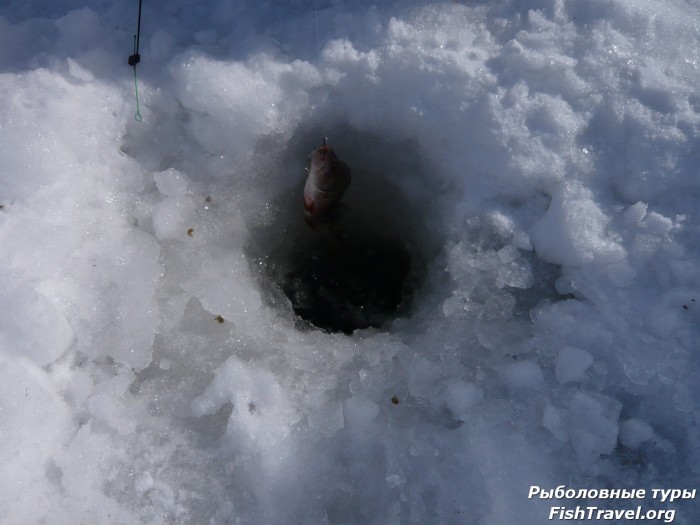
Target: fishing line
<point x="134" y="59"/>
<point x="137" y="116"/>
<point x="318" y="46"/>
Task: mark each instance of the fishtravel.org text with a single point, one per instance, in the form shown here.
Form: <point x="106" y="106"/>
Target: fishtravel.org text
<point x="592" y="512"/>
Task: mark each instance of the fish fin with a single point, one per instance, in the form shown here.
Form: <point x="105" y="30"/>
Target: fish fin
<point x="309" y="203"/>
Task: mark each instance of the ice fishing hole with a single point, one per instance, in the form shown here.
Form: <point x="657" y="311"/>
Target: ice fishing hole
<point x="364" y="268"/>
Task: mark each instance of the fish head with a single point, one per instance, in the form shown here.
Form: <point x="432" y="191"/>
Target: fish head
<point x="322" y="160"/>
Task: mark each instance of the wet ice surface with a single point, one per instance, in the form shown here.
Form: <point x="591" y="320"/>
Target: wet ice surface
<point x="531" y="169"/>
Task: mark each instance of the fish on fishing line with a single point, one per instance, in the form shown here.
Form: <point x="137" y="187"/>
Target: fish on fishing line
<point x="328" y="178"/>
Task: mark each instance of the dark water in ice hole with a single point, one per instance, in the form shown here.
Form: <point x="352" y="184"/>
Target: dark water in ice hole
<point x="348" y="281"/>
<point x="347" y="274"/>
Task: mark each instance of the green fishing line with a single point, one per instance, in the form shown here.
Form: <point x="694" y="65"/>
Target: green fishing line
<point x="138" y="116"/>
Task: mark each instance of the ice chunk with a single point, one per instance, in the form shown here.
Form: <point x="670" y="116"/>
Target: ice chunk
<point x="424" y="378"/>
<point x="31" y="327"/>
<point x="593" y="426"/>
<point x="119" y="329"/>
<point x="621" y="273"/>
<point x="554" y="420"/>
<point x="664" y="317"/>
<point x="507" y="254"/>
<point x="35" y="423"/>
<point x="521" y="240"/>
<point x="515" y="273"/>
<point x="634" y="432"/>
<point x="571" y="364"/>
<point x="455" y="306"/>
<point x="460" y="396"/>
<point x="173" y="218"/>
<point x="144" y="483"/>
<point x="635" y="213"/>
<point x="657" y="224"/>
<point x="107" y="404"/>
<point x="328" y="419"/>
<point x="234" y="103"/>
<point x="359" y="412"/>
<point x="84" y="463"/>
<point x="225" y="287"/>
<point x="261" y="415"/>
<point x="573" y="231"/>
<point x="171" y="183"/>
<point x="526" y="375"/>
<point x="78" y="71"/>
<point x="502" y="224"/>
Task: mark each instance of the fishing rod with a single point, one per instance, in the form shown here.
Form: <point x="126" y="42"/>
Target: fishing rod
<point x="134" y="59"/>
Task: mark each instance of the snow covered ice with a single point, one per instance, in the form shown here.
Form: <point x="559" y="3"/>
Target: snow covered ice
<point x="536" y="161"/>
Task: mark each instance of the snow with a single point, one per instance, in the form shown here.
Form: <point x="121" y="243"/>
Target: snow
<point x="172" y="216"/>
<point x="634" y="432"/>
<point x="573" y="231"/>
<point x="571" y="364"/>
<point x="537" y="161"/>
